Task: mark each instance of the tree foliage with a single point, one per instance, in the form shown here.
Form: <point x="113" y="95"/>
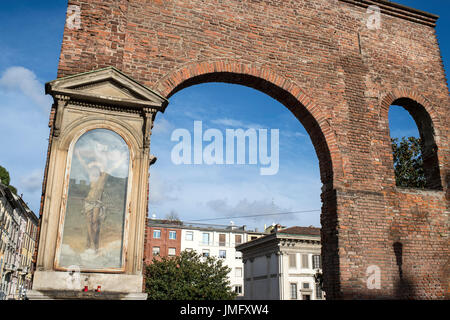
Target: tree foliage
<point x="172" y="216"/>
<point x="188" y="276"/>
<point x="408" y="162"/>
<point x="5" y="179"/>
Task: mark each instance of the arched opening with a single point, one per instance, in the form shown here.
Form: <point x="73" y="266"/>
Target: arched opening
<point x="285" y="98"/>
<point x="318" y="141"/>
<point x="415" y="155"/>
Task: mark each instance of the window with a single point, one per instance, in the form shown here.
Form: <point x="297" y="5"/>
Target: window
<point x="156" y="234"/>
<point x="294" y="291"/>
<point x="172" y="235"/>
<point x="205" y="238"/>
<point x="305" y="261"/>
<point x="222" y="254"/>
<point x="238" y="272"/>
<point x="222" y="238"/>
<point x="189" y="235"/>
<point x="156" y="251"/>
<point x="238" y="255"/>
<point x="238" y="289"/>
<point x="316" y="262"/>
<point x="305" y="285"/>
<point x="306" y="297"/>
<point x="253" y="237"/>
<point x="238" y="238"/>
<point x="293" y="261"/>
<point x="172" y="251"/>
<point x="205" y="253"/>
<point x="318" y="291"/>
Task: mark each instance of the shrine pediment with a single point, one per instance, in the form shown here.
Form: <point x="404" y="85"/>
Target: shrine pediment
<point x="108" y="86"/>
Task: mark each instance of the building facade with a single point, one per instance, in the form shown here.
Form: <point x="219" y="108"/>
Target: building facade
<point x="218" y="241"/>
<point x="283" y="265"/>
<point x="168" y="238"/>
<point x="162" y="239"/>
<point x="18" y="228"/>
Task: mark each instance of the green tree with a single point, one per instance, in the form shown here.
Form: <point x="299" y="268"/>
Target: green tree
<point x="5" y="179"/>
<point x="188" y="276"/>
<point x="408" y="162"/>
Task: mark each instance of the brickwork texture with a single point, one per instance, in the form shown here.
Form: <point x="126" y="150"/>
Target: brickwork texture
<point x="338" y="76"/>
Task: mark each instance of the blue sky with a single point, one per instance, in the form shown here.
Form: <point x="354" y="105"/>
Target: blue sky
<point x="30" y="38"/>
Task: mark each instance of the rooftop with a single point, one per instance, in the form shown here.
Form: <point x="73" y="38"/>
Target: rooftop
<point x="198" y="226"/>
<point x="307" y="231"/>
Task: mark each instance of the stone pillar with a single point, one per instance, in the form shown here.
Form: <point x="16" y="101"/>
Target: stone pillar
<point x="95" y="201"/>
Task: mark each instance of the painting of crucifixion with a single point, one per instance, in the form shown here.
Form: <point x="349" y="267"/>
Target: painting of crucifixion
<point x="93" y="229"/>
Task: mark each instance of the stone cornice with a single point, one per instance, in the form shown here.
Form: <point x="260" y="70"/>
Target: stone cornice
<point x="107" y="86"/>
<point x="398" y="10"/>
<point x="104" y="100"/>
<point x="104" y="106"/>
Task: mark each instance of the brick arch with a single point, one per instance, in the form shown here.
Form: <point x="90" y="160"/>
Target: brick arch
<point x="402" y="93"/>
<point x="428" y="123"/>
<point x="284" y="90"/>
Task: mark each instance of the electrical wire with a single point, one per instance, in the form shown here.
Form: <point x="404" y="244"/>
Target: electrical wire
<point x="257" y="215"/>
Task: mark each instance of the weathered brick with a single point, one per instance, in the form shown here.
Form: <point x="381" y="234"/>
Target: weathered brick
<point x="339" y="78"/>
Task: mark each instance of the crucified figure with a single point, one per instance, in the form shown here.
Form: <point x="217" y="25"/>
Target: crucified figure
<point x="94" y="208"/>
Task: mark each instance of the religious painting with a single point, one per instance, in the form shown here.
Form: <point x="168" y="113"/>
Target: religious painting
<point x="93" y="228"/>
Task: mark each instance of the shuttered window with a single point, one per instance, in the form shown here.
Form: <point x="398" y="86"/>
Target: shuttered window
<point x="305" y="261"/>
<point x="292" y="261"/>
<point x="221" y="239"/>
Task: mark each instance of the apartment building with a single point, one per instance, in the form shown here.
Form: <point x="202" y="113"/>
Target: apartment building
<point x="218" y="241"/>
<point x="169" y="238"/>
<point x="162" y="239"/>
<point x="18" y="229"/>
<point x="283" y="265"/>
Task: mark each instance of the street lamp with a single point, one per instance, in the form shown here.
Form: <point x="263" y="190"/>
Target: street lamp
<point x="318" y="278"/>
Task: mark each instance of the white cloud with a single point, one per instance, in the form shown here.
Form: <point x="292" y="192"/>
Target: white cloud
<point x="161" y="190"/>
<point x="293" y="134"/>
<point x="227" y="122"/>
<point x="33" y="181"/>
<point x="162" y="125"/>
<point x="211" y="192"/>
<point x="244" y="207"/>
<point x="24" y="131"/>
<point x="25" y="81"/>
<point x="399" y="133"/>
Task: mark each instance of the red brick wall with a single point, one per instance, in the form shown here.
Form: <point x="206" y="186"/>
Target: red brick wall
<point x="338" y="77"/>
<point x="164" y="243"/>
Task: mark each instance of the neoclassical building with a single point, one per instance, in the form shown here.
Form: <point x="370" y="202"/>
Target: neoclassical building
<point x="283" y="265"/>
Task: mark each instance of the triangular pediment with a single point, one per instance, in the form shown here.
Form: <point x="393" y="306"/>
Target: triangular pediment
<point x="107" y="85"/>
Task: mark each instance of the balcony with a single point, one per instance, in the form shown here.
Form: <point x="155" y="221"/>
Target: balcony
<point x="23" y="270"/>
<point x="9" y="267"/>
